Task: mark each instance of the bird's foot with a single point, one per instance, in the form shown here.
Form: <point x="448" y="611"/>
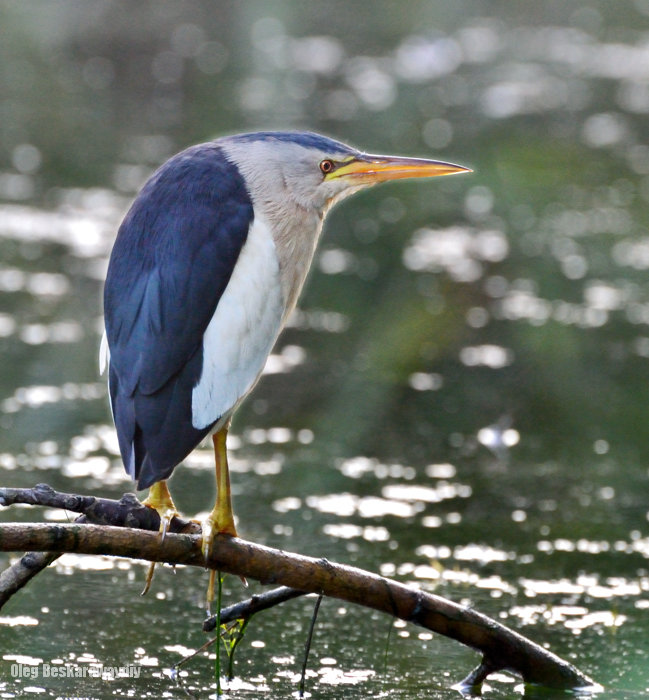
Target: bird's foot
<point x="160" y="500"/>
<point x="216" y="523"/>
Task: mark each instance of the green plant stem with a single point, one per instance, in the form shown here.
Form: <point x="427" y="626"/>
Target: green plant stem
<point x="217" y="661"/>
<point x="239" y="636"/>
<point x="387" y="647"/>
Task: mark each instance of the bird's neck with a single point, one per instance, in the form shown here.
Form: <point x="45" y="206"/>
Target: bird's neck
<point x="296" y="237"/>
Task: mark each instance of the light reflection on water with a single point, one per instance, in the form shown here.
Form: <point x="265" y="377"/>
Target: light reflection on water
<point x="459" y="400"/>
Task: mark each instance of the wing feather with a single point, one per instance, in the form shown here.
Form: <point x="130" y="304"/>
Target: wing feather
<point x="172" y="260"/>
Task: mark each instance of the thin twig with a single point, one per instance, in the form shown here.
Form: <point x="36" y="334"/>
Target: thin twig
<point x="256" y="603"/>
<point x="243" y="610"/>
<point x="307" y="644"/>
<point x="203" y="647"/>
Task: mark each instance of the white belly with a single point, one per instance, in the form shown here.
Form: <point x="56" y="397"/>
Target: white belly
<point x="242" y="331"/>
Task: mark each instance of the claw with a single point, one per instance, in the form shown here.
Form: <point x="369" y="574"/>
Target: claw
<point x="149" y="578"/>
<point x="160" y="500"/>
<point x="165" y="521"/>
<point x="207" y="537"/>
<point x="209" y="598"/>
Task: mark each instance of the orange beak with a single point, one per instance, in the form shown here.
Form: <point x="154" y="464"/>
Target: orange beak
<point x="369" y="169"/>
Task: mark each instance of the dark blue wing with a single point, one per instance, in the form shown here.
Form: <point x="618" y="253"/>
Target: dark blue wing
<point x="172" y="260"/>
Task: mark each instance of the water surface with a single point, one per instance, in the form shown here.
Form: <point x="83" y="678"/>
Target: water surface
<point x="460" y="399"/>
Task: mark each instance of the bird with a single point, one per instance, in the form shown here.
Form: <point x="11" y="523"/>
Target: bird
<point x="205" y="270"/>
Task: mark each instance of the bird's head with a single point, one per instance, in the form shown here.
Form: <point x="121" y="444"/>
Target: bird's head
<point x="315" y="171"/>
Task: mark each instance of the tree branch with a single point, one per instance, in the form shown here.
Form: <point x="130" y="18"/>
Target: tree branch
<point x="22" y="572"/>
<point x="128" y="511"/>
<point x="501" y="648"/>
<point x="254" y="604"/>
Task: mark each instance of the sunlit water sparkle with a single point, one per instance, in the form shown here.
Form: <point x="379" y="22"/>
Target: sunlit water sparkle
<point x="457" y="403"/>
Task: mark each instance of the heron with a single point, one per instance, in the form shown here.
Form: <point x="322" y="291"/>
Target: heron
<point x="206" y="268"/>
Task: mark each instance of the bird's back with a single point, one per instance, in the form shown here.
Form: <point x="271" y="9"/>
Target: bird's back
<point x="172" y="261"/>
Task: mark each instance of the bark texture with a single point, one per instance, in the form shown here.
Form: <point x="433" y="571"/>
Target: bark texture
<point x="130" y="535"/>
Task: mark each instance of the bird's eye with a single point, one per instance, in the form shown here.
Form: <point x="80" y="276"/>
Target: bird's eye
<point x="326" y="166"/>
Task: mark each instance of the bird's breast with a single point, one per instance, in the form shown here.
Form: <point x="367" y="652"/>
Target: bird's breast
<point x="243" y="329"/>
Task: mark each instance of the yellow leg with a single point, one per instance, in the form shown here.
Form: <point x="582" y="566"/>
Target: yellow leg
<point x="160" y="500"/>
<point x="221" y="519"/>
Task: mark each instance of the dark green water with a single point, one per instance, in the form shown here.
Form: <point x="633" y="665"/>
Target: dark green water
<point x="460" y="401"/>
